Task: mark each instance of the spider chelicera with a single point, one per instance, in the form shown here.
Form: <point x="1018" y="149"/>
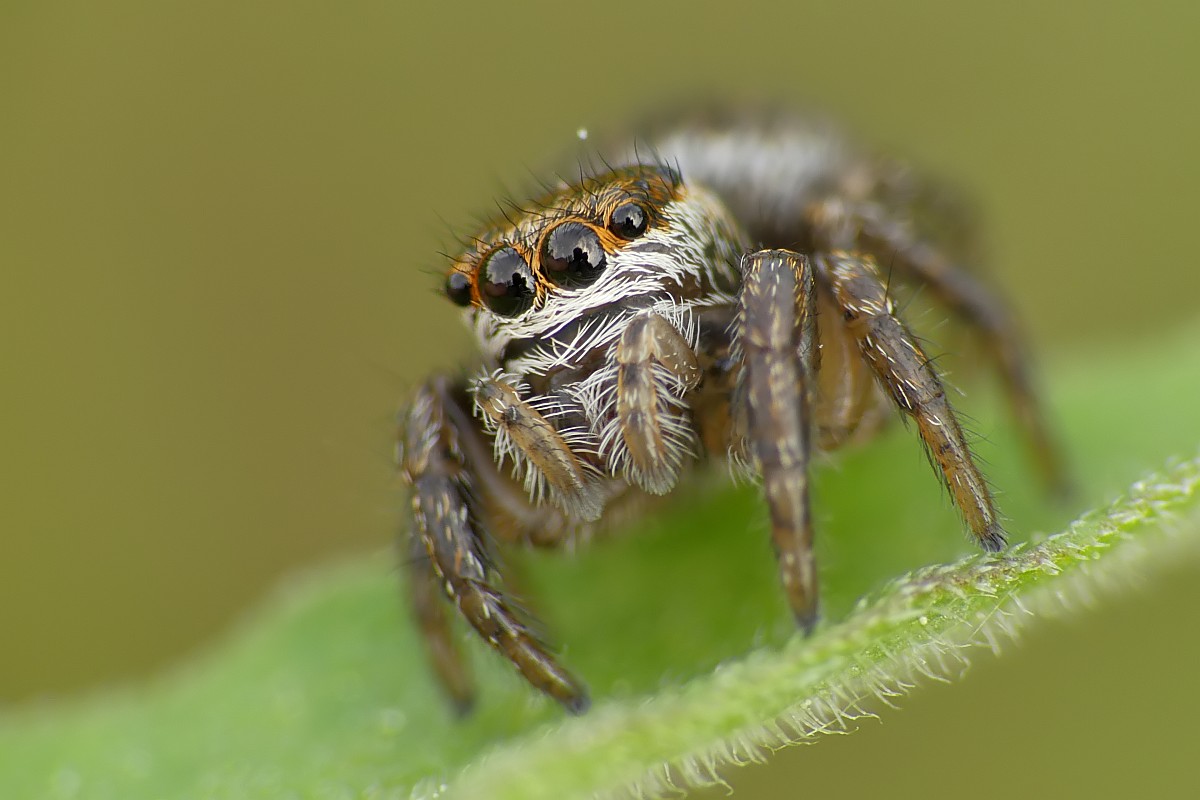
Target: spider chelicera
<point x="722" y="300"/>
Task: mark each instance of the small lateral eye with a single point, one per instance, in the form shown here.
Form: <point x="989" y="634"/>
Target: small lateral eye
<point x="629" y="220"/>
<point x="458" y="288"/>
<point x="572" y="255"/>
<point x="506" y="282"/>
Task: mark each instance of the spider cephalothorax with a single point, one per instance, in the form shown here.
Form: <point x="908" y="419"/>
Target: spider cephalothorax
<point x="629" y="331"/>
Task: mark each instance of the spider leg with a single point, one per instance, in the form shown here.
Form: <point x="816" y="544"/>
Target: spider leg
<point x="868" y="228"/>
<point x="430" y="611"/>
<point x="655" y="365"/>
<point x="939" y="210"/>
<point x="906" y="374"/>
<point x="511" y="517"/>
<point x="777" y="347"/>
<point x="524" y="434"/>
<point x="447" y="529"/>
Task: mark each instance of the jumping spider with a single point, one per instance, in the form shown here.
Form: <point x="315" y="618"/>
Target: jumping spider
<point x="728" y="298"/>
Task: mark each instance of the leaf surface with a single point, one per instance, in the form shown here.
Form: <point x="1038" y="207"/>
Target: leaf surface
<point x="678" y="626"/>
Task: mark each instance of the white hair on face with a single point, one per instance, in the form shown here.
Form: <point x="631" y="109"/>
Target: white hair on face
<point x="651" y="267"/>
<point x="696" y="239"/>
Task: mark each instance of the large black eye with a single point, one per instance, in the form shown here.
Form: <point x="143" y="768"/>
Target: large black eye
<point x="629" y="221"/>
<point x="506" y="283"/>
<point x="458" y="289"/>
<point x="572" y="255"/>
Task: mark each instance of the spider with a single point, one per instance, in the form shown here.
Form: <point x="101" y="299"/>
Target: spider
<point x="725" y="299"/>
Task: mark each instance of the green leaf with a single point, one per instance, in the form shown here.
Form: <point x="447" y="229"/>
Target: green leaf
<point x="678" y="625"/>
<point x="917" y="627"/>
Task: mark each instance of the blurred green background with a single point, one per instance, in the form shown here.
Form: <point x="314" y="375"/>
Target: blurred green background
<point x="218" y="222"/>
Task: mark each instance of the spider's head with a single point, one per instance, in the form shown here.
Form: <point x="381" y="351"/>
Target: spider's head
<point x="631" y="238"/>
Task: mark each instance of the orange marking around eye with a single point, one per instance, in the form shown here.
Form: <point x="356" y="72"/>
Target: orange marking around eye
<point x="590" y="202"/>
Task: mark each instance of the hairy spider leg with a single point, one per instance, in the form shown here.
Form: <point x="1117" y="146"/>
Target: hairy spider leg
<point x="655" y="366"/>
<point x="961" y="292"/>
<point x="446" y="528"/>
<point x="429" y="608"/>
<point x="905" y="373"/>
<point x="506" y="506"/>
<point x="776" y="346"/>
<point x="525" y="435"/>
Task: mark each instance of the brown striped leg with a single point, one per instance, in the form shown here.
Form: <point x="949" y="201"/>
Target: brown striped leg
<point x="906" y="374"/>
<point x="875" y="232"/>
<point x="429" y="607"/>
<point x="552" y="465"/>
<point x="507" y="507"/>
<point x="447" y="530"/>
<point x="776" y="345"/>
<point x="655" y="367"/>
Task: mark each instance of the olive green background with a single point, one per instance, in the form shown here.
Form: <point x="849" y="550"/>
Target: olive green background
<point x="219" y="227"/>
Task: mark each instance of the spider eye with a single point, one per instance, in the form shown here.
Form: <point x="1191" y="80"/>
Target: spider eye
<point x="572" y="255"/>
<point x="506" y="282"/>
<point x="458" y="288"/>
<point x="629" y="221"/>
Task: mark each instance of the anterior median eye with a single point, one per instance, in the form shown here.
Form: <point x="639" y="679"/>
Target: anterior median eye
<point x="572" y="255"/>
<point x="506" y="282"/>
<point x="629" y="221"/>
